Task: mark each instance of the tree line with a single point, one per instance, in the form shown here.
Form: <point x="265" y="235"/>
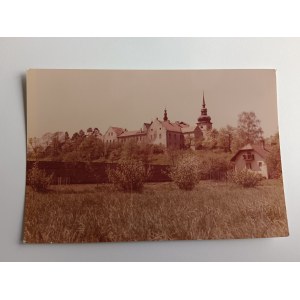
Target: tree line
<point x="89" y="147"/>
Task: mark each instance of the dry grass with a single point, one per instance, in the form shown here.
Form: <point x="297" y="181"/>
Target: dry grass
<point x="213" y="210"/>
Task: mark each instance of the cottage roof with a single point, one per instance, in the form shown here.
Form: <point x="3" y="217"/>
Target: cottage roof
<point x="262" y="151"/>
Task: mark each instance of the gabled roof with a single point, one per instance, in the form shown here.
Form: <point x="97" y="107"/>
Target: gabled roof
<point x="251" y="147"/>
<point x="175" y="127"/>
<point x="117" y="130"/>
<point x="147" y="125"/>
<point x="182" y="124"/>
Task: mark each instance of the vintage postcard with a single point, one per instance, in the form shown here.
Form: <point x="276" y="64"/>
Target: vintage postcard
<point x="146" y="155"/>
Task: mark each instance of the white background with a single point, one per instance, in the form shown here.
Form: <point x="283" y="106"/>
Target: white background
<point x="19" y="54"/>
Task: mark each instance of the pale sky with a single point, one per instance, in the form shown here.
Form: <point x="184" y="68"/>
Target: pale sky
<point x="70" y="100"/>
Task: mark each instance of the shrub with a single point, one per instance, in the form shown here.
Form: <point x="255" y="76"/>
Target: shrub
<point x="128" y="176"/>
<point x="38" y="179"/>
<point x="245" y="178"/>
<point x="274" y="162"/>
<point x="158" y="149"/>
<point x="186" y="172"/>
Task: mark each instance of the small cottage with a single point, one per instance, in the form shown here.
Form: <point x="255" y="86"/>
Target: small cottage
<point x="252" y="157"/>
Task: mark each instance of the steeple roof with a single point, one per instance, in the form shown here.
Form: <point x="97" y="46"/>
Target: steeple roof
<point x="204" y="117"/>
<point x="165" y="115"/>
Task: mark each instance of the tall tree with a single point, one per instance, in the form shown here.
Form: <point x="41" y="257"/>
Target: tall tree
<point x="210" y="141"/>
<point x="34" y="150"/>
<point x="89" y="131"/>
<point x="225" y="138"/>
<point x="55" y="145"/>
<point x="67" y="137"/>
<point x="249" y="129"/>
<point x="75" y="136"/>
<point x="91" y="148"/>
<point x="273" y="159"/>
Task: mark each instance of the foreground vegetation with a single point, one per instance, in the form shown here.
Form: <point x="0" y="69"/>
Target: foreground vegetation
<point x="213" y="210"/>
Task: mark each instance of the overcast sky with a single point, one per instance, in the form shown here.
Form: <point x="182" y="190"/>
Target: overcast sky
<point x="70" y="100"/>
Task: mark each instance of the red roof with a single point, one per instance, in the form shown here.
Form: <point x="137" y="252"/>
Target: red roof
<point x="171" y="126"/>
<point x="263" y="152"/>
<point x="132" y="133"/>
<point x="182" y="124"/>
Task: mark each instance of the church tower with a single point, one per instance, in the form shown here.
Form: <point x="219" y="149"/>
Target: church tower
<point x="165" y="115"/>
<point x="204" y="121"/>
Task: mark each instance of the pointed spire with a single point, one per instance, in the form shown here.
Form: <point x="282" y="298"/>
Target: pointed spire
<point x="165" y="115"/>
<point x="203" y="101"/>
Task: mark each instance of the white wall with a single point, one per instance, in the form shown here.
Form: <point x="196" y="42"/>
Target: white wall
<point x="240" y="163"/>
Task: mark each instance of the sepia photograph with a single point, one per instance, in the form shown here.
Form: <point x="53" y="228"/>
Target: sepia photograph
<point x="149" y="155"/>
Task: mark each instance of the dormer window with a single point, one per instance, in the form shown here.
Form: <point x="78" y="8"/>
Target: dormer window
<point x="248" y="156"/>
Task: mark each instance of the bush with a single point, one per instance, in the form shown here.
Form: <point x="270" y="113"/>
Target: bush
<point x="158" y="149"/>
<point x="186" y="172"/>
<point x="128" y="176"/>
<point x="38" y="179"/>
<point x="274" y="162"/>
<point x="245" y="178"/>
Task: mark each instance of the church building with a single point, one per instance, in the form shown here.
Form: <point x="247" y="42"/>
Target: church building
<point x="175" y="135"/>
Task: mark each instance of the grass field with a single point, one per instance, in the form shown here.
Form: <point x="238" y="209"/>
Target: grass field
<point x="213" y="210"/>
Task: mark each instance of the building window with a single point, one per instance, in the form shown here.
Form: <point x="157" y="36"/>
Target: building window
<point x="160" y="135"/>
<point x="248" y="166"/>
<point x="260" y="163"/>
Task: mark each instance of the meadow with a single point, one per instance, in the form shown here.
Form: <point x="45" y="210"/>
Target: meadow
<point x="98" y="213"/>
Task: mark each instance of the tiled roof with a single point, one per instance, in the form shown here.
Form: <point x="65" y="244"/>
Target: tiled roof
<point x="132" y="133"/>
<point x="182" y="124"/>
<point x="263" y="152"/>
<point x="171" y="126"/>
